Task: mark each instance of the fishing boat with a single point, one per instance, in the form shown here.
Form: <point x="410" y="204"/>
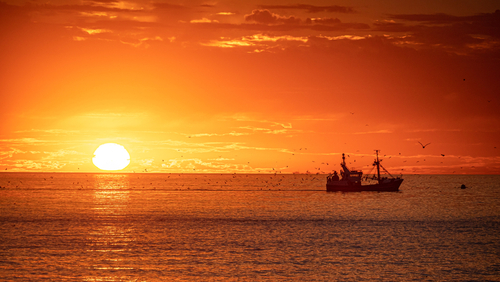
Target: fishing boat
<point x="351" y="180"/>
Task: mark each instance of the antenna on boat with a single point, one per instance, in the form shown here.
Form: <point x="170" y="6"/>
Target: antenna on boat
<point x="377" y="162"/>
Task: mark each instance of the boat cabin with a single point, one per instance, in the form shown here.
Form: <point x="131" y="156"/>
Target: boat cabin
<point x="353" y="176"/>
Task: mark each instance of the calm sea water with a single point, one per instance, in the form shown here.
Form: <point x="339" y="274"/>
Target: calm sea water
<point x="164" y="227"/>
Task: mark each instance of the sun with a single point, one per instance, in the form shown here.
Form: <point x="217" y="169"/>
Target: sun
<point x="111" y="156"/>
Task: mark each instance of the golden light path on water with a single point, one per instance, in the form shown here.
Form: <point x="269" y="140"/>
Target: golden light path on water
<point x="108" y="241"/>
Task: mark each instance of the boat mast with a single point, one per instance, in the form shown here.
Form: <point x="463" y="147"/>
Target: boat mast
<point x="378" y="166"/>
<point x="346" y="172"/>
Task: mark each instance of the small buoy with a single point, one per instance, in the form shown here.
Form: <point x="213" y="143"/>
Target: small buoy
<point x="463" y="186"/>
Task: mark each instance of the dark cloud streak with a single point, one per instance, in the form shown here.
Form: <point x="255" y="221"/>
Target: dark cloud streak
<point x="75" y="8"/>
<point x="476" y="34"/>
<point x="284" y="27"/>
<point x="440" y="18"/>
<point x="167" y="6"/>
<point x="484" y="23"/>
<point x="121" y="24"/>
<point x="312" y="8"/>
<point x="393" y="27"/>
<point x="266" y="17"/>
<point x="340" y="27"/>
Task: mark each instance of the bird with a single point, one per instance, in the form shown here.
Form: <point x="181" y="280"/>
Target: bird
<point x="442" y="155"/>
<point x="423" y="146"/>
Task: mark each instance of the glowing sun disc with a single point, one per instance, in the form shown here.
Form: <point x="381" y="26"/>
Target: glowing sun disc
<point x="111" y="156"/>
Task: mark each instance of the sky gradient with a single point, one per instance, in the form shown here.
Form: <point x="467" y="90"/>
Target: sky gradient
<point x="251" y="86"/>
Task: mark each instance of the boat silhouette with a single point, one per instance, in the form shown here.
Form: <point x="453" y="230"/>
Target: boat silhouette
<point x="351" y="180"/>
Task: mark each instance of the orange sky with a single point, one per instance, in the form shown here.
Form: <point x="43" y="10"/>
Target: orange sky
<point x="251" y="86"/>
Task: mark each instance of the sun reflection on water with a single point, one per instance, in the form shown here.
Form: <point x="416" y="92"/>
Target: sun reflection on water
<point x="108" y="243"/>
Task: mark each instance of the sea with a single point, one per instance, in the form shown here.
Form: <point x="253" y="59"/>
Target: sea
<point x="245" y="227"/>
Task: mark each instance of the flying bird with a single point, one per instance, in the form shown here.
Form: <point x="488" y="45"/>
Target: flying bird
<point x="423" y="146"/>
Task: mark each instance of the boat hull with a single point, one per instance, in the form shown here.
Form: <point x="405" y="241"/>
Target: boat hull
<point x="390" y="185"/>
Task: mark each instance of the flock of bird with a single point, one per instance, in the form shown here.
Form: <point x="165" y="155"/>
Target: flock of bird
<point x="182" y="182"/>
<point x="319" y="169"/>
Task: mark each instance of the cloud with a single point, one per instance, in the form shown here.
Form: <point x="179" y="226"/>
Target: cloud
<point x="264" y="42"/>
<point x="263" y="20"/>
<point x="119" y="24"/>
<point x="487" y="19"/>
<point x="146" y="162"/>
<point x="326" y="21"/>
<point x="227" y="43"/>
<point x="37" y="165"/>
<point x="458" y="34"/>
<point x="267" y="130"/>
<point x="204" y="20"/>
<point x="268" y="38"/>
<point x="283" y="127"/>
<point x="94" y="31"/>
<point x="61" y="153"/>
<point x="266" y="17"/>
<point x="213" y="165"/>
<point x="39" y="8"/>
<point x="312" y="8"/>
<point x="13" y="13"/>
<point x="28" y="164"/>
<point x="50" y="131"/>
<point x="221" y="159"/>
<point x="382" y="131"/>
<point x="232" y="133"/>
<point x="329" y="117"/>
<point x="26" y="140"/>
<point x="9" y="153"/>
<point x="147" y="23"/>
<point x="167" y="6"/>
<point x="340" y="27"/>
<point x="226" y="13"/>
<point x="392" y="26"/>
<point x="104" y="1"/>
